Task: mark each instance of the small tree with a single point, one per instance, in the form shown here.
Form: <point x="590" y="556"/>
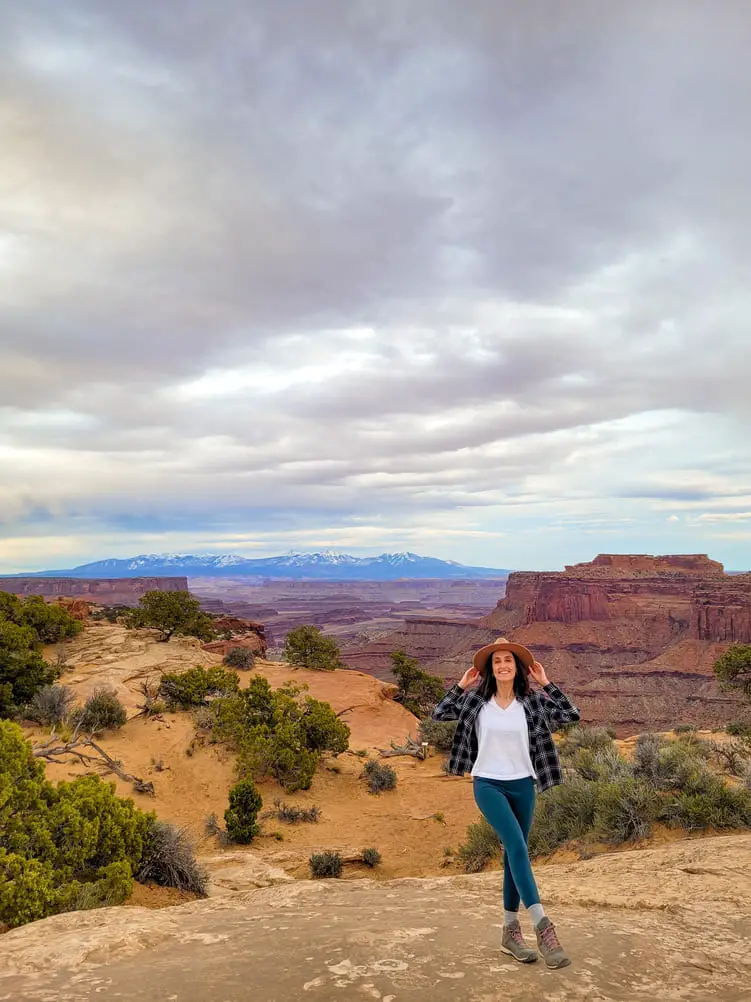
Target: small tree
<point x="194" y="686"/>
<point x="172" y="612"/>
<point x="326" y="864"/>
<point x="307" y="647"/>
<point x="733" y="670"/>
<point x="418" y="690"/>
<point x="102" y="711"/>
<point x="23" y="670"/>
<point x="239" y="657"/>
<point x="240" y="817"/>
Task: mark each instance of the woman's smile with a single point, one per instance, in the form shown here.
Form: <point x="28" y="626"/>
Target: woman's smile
<point x="504" y="666"/>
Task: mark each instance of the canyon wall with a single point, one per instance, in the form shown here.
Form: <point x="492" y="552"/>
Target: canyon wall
<point x="632" y="638"/>
<point x="103" y="591"/>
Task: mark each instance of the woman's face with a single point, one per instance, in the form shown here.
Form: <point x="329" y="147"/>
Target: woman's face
<point x="504" y="666"/>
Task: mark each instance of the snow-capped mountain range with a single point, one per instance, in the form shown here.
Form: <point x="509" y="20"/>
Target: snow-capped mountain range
<point x="325" y="565"/>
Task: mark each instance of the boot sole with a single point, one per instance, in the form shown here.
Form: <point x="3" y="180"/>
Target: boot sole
<point x="559" y="965"/>
<point x="519" y="960"/>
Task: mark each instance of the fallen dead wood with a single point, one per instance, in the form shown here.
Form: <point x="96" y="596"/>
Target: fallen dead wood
<point x="412" y="747"/>
<point x="79" y="749"/>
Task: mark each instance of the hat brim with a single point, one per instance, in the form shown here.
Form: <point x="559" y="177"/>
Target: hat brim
<point x="525" y="656"/>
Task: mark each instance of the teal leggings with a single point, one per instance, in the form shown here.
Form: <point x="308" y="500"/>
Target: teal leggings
<point x="509" y="806"/>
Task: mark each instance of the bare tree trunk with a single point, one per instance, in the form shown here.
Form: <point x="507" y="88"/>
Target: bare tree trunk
<point x="57" y="753"/>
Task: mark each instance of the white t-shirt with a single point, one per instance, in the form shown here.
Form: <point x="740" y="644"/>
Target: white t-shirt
<point x="503" y="742"/>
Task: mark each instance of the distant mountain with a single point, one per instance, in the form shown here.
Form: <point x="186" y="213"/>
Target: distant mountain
<point x="326" y="566"/>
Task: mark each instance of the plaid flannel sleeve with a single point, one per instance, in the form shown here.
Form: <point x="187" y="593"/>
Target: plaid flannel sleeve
<point x="450" y="706"/>
<point x="557" y="707"/>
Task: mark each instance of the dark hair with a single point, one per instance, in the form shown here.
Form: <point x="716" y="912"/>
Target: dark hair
<point x="488" y="685"/>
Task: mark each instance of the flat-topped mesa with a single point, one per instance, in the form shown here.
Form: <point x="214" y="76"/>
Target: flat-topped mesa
<point x="625" y="564"/>
<point x="103" y="591"/>
<point x="686" y="596"/>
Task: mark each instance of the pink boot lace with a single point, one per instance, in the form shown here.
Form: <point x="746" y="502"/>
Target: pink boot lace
<point x="514" y="932"/>
<point x="549" y="938"/>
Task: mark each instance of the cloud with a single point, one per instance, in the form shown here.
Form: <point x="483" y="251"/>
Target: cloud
<point x="418" y="275"/>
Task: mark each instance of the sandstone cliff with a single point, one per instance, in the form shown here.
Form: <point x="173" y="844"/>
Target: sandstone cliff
<point x="104" y="591"/>
<point x="633" y="638"/>
<point x="244" y="633"/>
<point x="439" y="643"/>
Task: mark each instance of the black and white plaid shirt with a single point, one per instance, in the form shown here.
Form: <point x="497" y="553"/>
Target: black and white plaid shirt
<point x="546" y="711"/>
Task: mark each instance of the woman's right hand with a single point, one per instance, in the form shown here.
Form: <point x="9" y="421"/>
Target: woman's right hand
<point x="469" y="679"/>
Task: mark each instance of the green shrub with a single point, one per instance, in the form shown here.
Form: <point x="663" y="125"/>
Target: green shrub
<point x="739" y="730"/>
<point x="171" y="612"/>
<point x="23" y="670"/>
<point x="77" y="844"/>
<point x="27" y="890"/>
<point x="51" y="623"/>
<point x="280" y="734"/>
<point x="733" y="756"/>
<point x="691" y="741"/>
<point x="563" y="813"/>
<point x="324" y="731"/>
<point x="294" y="815"/>
<point x="481" y="847"/>
<point x="371" y="857"/>
<point x="326" y="864"/>
<point x="52" y="704"/>
<point x="280" y="753"/>
<point x="625" y="811"/>
<point x="603" y="765"/>
<point x="111" y="613"/>
<point x="715" y="807"/>
<point x="56" y="840"/>
<point x="102" y="711"/>
<point x="733" y="670"/>
<point x="379" y="777"/>
<point x="438" y="733"/>
<point x="239" y="657"/>
<point x="684" y="729"/>
<point x="592" y="738"/>
<point x="418" y="691"/>
<point x="194" y="686"/>
<point x="647" y="756"/>
<point x="747" y="777"/>
<point x="240" y="817"/>
<point x="307" y="647"/>
<point x="169" y="860"/>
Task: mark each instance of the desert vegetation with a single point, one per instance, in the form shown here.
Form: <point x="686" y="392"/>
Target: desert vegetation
<point x="683" y="783"/>
<point x="25" y="625"/>
<point x="307" y="647"/>
<point x="171" y="613"/>
<point x="75" y="845"/>
<point x="417" y="690"/>
<point x="280" y="733"/>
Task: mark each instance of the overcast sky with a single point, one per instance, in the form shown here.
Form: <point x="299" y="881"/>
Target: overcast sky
<point x="469" y="279"/>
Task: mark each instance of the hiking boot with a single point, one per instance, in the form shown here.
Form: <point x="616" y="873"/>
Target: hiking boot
<point x="513" y="944"/>
<point x="547" y="941"/>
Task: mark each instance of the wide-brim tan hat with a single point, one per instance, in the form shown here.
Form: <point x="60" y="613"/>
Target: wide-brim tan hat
<point x="501" y="644"/>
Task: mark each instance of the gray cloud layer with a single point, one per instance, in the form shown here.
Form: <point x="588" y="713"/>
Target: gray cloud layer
<point x="462" y="276"/>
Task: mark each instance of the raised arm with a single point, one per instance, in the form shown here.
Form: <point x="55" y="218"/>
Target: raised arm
<point x="556" y="705"/>
<point x="450" y="706"/>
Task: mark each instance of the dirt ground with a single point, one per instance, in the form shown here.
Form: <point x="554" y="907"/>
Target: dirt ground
<point x="410" y="826"/>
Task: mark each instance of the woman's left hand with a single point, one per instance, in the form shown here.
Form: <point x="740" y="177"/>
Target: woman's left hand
<point x="538" y="674"/>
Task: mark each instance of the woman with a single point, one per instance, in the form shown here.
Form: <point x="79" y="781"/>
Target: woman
<point x="504" y="739"/>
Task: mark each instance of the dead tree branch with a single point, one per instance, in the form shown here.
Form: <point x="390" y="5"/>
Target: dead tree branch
<point x="417" y="749"/>
<point x="74" y="749"/>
